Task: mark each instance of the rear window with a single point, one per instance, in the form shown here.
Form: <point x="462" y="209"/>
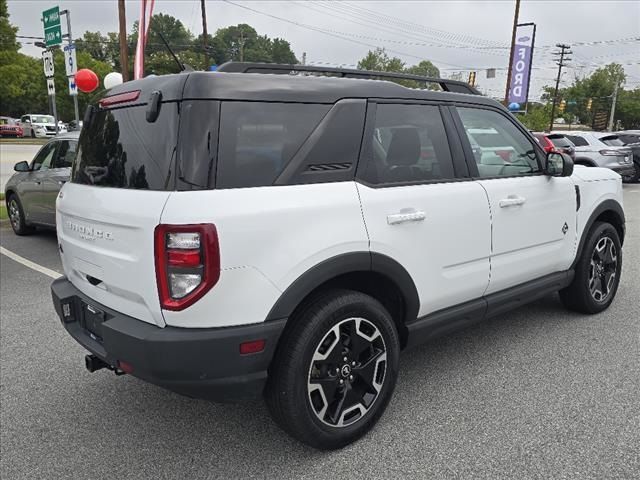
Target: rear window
<point x="560" y="141"/>
<point x="612" y="141"/>
<point x="578" y="141"/>
<point x="258" y="139"/>
<point x="628" y="138"/>
<point x="120" y="149"/>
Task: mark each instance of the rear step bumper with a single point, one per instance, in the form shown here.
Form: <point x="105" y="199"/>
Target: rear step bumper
<point x="201" y="363"/>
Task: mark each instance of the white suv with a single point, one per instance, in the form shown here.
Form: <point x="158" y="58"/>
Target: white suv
<point x="227" y="235"/>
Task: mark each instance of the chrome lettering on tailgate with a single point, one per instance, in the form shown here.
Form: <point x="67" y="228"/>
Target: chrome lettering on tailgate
<point x="87" y="232"/>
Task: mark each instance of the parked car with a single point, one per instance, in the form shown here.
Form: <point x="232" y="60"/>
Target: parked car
<point x="31" y="192"/>
<point x="40" y="126"/>
<point x="9" y="127"/>
<point x="238" y="234"/>
<point x="631" y="139"/>
<point x="556" y="142"/>
<point x="592" y="151"/>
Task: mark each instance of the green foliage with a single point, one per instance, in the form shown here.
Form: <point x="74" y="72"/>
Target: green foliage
<point x="7" y="31"/>
<point x="379" y="61"/>
<point x="628" y="109"/>
<point x="537" y="117"/>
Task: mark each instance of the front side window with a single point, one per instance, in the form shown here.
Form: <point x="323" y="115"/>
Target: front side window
<point x="408" y="144"/>
<point x="42" y="161"/>
<point x="257" y="140"/>
<point x="500" y="149"/>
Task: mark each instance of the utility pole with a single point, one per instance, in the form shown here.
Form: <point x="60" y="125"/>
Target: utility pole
<point x="241" y="45"/>
<point x="204" y="34"/>
<point x="124" y="49"/>
<point x="613" y="105"/>
<point x="513" y="44"/>
<point x="564" y="50"/>
<point x="304" y="58"/>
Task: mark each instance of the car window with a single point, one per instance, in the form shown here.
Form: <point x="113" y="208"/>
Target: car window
<point x="42" y="161"/>
<point x="612" y="141"/>
<point x="560" y="141"/>
<point x="578" y="141"/>
<point x="628" y="138"/>
<point x="257" y="140"/>
<point x="24" y="119"/>
<point x="500" y="148"/>
<point x="65" y="154"/>
<point x="408" y="144"/>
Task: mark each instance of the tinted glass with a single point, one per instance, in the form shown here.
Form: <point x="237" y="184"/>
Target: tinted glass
<point x="408" y="144"/>
<point x="120" y="149"/>
<point x="628" y="138"/>
<point x="578" y="141"/>
<point x="65" y="154"/>
<point x="499" y="147"/>
<point x="42" y="161"/>
<point x="258" y="139"/>
<point x="612" y="141"/>
<point x="560" y="141"/>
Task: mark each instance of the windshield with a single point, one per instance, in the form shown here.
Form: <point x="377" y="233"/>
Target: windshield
<point x="42" y="119"/>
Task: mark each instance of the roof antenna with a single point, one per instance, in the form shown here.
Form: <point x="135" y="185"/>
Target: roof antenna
<point x="183" y="67"/>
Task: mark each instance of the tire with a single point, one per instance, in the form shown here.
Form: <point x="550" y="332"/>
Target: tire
<point x="593" y="288"/>
<point x="300" y="389"/>
<point x="16" y="216"/>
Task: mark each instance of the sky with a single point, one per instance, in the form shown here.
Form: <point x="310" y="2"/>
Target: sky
<point x="458" y="36"/>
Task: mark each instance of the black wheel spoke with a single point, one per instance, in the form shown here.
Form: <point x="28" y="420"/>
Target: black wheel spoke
<point x="365" y="372"/>
<point x="348" y="398"/>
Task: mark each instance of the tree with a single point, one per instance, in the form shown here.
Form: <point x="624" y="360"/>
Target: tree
<point x="537" y="117"/>
<point x="424" y="68"/>
<point x="7" y="31"/>
<point x="378" y="61"/>
<point x="628" y="109"/>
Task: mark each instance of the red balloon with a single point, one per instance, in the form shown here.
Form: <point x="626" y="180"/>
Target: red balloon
<point x="86" y="80"/>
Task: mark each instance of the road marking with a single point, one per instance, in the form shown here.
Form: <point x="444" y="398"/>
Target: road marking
<point x="29" y="263"/>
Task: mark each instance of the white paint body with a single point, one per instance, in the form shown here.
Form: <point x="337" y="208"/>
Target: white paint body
<point x="454" y="239"/>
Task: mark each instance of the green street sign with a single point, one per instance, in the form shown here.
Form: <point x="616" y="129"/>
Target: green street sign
<point x="52" y="29"/>
<point x="51" y="17"/>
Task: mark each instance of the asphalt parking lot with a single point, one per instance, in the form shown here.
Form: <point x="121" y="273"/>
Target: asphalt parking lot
<point x="537" y="393"/>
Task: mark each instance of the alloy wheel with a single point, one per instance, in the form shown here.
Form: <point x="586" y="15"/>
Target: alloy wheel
<point x="603" y="269"/>
<point x="14" y="214"/>
<point x="347" y="372"/>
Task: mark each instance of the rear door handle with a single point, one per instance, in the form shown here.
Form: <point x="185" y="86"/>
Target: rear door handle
<point x="512" y="201"/>
<point x="406" y="215"/>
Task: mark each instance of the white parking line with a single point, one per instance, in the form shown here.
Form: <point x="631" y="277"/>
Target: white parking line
<point x="29" y="263"/>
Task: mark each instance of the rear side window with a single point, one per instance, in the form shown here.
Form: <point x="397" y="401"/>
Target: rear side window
<point x="612" y="141"/>
<point x="257" y="140"/>
<point x="120" y="149"/>
<point x="578" y="141"/>
<point x="408" y="144"/>
<point x="560" y="141"/>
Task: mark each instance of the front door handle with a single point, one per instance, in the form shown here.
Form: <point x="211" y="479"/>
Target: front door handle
<point x="406" y="215"/>
<point x="512" y="201"/>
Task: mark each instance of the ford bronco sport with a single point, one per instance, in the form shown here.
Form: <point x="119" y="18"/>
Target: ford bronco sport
<point x="249" y="232"/>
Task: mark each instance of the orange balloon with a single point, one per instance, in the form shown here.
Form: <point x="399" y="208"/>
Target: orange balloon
<point x="86" y="80"/>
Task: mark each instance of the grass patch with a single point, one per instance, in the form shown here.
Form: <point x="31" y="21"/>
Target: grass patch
<point x="3" y="212"/>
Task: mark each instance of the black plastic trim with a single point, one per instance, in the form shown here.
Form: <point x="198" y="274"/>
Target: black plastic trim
<point x="197" y="362"/>
<point x="459" y="316"/>
<point x="607" y="205"/>
<point x="343" y="264"/>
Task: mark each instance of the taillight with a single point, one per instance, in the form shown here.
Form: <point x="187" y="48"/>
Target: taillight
<point x="187" y="263"/>
<point x="611" y="153"/>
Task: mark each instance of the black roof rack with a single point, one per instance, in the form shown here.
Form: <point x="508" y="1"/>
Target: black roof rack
<point x="454" y="86"/>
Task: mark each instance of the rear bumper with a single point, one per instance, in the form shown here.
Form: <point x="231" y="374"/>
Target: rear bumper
<point x="202" y="363"/>
<point x="625" y="170"/>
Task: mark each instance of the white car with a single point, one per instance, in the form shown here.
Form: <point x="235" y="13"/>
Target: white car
<point x="36" y="125"/>
<point x="240" y="234"/>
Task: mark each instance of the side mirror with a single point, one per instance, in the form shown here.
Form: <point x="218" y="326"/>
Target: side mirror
<point x="21" y="167"/>
<point x="27" y="121"/>
<point x="558" y="165"/>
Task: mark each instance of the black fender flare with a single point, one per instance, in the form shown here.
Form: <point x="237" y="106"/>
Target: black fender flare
<point x="608" y="205"/>
<point x="342" y="264"/>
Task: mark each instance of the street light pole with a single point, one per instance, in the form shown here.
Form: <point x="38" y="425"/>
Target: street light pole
<point x="70" y="42"/>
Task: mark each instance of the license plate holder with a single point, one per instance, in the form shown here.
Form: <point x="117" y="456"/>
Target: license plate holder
<point x="91" y="321"/>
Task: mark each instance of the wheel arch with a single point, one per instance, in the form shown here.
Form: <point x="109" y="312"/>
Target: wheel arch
<point x="368" y="272"/>
<point x="609" y="211"/>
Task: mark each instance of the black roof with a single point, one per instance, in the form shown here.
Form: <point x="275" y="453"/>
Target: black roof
<point x="283" y="88"/>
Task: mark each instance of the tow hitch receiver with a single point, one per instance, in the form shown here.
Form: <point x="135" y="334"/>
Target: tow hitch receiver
<point x="94" y="364"/>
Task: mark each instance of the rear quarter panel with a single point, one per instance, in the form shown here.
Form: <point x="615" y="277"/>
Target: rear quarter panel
<point x="268" y="236"/>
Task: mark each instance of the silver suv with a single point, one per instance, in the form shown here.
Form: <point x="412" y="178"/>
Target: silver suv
<point x="599" y="149"/>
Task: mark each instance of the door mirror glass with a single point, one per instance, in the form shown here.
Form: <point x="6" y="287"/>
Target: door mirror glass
<point x="26" y="121"/>
<point x="21" y="167"/>
<point x="558" y="165"/>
